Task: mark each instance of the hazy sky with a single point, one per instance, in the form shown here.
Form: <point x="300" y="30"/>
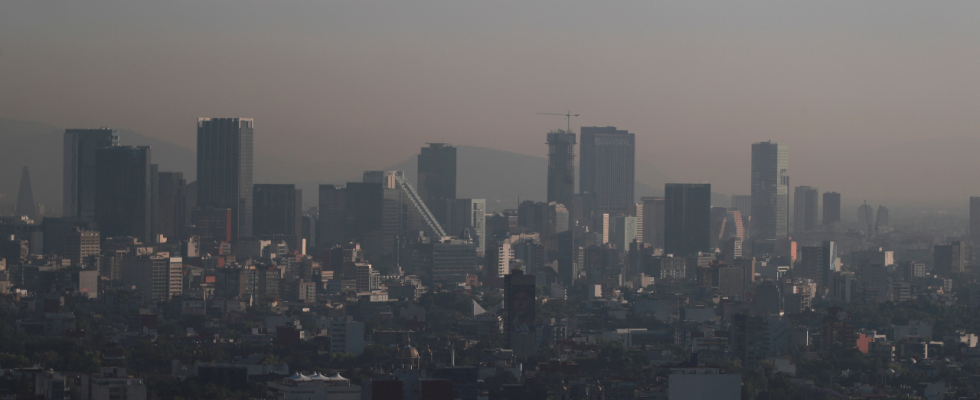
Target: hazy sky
<point x="697" y="81"/>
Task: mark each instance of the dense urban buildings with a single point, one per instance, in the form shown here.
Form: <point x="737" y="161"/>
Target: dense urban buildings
<point x="770" y="190"/>
<point x="224" y="169"/>
<point x="607" y="167"/>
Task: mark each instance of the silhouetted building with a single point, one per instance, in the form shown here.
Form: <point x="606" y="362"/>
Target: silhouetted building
<point x="469" y="215"/>
<point x="224" y="169"/>
<point x="882" y="219"/>
<point x="742" y="203"/>
<point x="81" y="244"/>
<point x="975" y="219"/>
<point x="124" y="192"/>
<point x="607" y="167"/>
<point x="831" y="208"/>
<point x="770" y="190"/>
<point x="331" y="221"/>
<point x="519" y="297"/>
<point x="80" y="170"/>
<point x="819" y="263"/>
<point x="687" y="218"/>
<point x="561" y="167"/>
<point x="278" y="211"/>
<point x="953" y="258"/>
<point x="171" y="205"/>
<point x="437" y="178"/>
<point x="25" y="197"/>
<point x="212" y="226"/>
<point x="805" y="209"/>
<point x="653" y="221"/>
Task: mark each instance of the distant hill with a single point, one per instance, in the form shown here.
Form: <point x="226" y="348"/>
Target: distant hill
<point x="501" y="177"/>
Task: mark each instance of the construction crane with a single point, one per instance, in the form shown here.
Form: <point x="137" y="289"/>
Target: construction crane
<point x="568" y="119"/>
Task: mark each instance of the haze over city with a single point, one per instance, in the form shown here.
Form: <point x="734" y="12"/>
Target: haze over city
<point x="877" y="100"/>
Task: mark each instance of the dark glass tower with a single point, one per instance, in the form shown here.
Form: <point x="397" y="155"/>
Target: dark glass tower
<point x="831" y="207"/>
<point x="561" y="167"/>
<point x="25" y="197"/>
<point x="124" y="193"/>
<point x="171" y="205"/>
<point x="278" y="211"/>
<point x="770" y="190"/>
<point x="78" y="200"/>
<point x="608" y="166"/>
<point x="437" y="178"/>
<point x="330" y="230"/>
<point x="687" y="218"/>
<point x="224" y="169"/>
<point x="805" y="209"/>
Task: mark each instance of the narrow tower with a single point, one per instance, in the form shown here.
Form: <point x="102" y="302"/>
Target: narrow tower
<point x="25" y="199"/>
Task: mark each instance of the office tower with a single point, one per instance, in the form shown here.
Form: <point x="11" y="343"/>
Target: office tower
<point x="561" y="167"/>
<point x="719" y="226"/>
<point x="469" y="216"/>
<point x="81" y="244"/>
<point x="952" y="258"/>
<point x="637" y="211"/>
<point x="25" y="197"/>
<point x="607" y="168"/>
<point x="882" y="219"/>
<point x="124" y="193"/>
<point x="975" y="219"/>
<point x="171" y="205"/>
<point x="622" y="231"/>
<point x="742" y="203"/>
<point x="732" y="281"/>
<point x="331" y="217"/>
<point x="750" y="340"/>
<point x="687" y="215"/>
<point x="804" y="210"/>
<point x="224" y="169"/>
<point x="437" y="178"/>
<point x="158" y="277"/>
<point x="79" y="168"/>
<point x="519" y="298"/>
<point x="653" y="221"/>
<point x="770" y="190"/>
<point x="567" y="267"/>
<point x="277" y="210"/>
<point x="767" y="299"/>
<point x="831" y="208"/>
<point x="732" y="250"/>
<point x="819" y="263"/>
<point x="212" y="226"/>
<point x="532" y="216"/>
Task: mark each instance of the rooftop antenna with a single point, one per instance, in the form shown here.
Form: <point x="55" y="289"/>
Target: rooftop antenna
<point x="568" y="119"/>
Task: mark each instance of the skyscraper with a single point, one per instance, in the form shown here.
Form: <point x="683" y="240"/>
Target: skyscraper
<point x="687" y="218"/>
<point x="437" y="178"/>
<point x="653" y="221"/>
<point x="79" y="177"/>
<point x="804" y="209"/>
<point x="819" y="263"/>
<point x="831" y="208"/>
<point x="608" y="166"/>
<point x="123" y="192"/>
<point x="278" y="211"/>
<point x="330" y="229"/>
<point x="25" y="197"/>
<point x="519" y="298"/>
<point x="561" y="167"/>
<point x="224" y="169"/>
<point x="770" y="190"/>
<point x="171" y="205"/>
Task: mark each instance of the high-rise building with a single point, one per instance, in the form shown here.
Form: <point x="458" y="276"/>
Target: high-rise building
<point x="124" y="192"/>
<point x="277" y="210"/>
<point x="561" y="167"/>
<point x="653" y="221"/>
<point x="81" y="244"/>
<point x="79" y="168"/>
<point x="469" y="215"/>
<point x="831" y="208"/>
<point x="212" y="226"/>
<point x="171" y="205"/>
<point x="25" y="197"/>
<point x="519" y="298"/>
<point x="607" y="168"/>
<point x="437" y="178"/>
<point x="952" y="258"/>
<point x="819" y="263"/>
<point x="637" y="211"/>
<point x="742" y="203"/>
<point x="805" y="209"/>
<point x="770" y="190"/>
<point x="332" y="214"/>
<point x="568" y="268"/>
<point x="687" y="218"/>
<point x="882" y="218"/>
<point x="159" y="278"/>
<point x="224" y="169"/>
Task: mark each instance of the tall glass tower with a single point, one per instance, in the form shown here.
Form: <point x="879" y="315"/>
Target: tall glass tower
<point x="80" y="170"/>
<point x="224" y="169"/>
<point x="608" y="166"/>
<point x="770" y="190"/>
<point x="561" y="167"/>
